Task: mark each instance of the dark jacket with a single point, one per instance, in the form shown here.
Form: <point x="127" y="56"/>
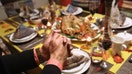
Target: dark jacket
<point x="11" y="64"/>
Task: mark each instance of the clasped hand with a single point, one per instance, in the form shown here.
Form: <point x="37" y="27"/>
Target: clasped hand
<point x="56" y="46"/>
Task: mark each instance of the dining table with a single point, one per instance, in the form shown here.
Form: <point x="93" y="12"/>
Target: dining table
<point x="9" y="26"/>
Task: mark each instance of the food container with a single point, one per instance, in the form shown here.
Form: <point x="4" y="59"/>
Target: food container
<point x="126" y="36"/>
<point x="97" y="53"/>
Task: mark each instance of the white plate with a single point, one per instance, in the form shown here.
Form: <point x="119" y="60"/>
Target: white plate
<point x="22" y="40"/>
<point x="78" y="11"/>
<point x="81" y="68"/>
<point x="127" y="23"/>
<point x="36" y="12"/>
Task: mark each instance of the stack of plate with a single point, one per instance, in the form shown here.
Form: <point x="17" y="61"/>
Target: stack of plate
<point x="24" y="39"/>
<point x="127" y="23"/>
<point x="76" y="12"/>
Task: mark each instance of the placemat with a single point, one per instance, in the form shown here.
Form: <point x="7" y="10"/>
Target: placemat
<point x="14" y="24"/>
<point x="93" y="69"/>
<point x="126" y="68"/>
<point x="83" y="14"/>
<point x="18" y="19"/>
<point x="30" y="44"/>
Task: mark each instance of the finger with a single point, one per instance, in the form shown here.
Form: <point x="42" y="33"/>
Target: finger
<point x="53" y="46"/>
<point x="64" y="39"/>
<point x="68" y="41"/>
<point x="69" y="47"/>
<point x="68" y="50"/>
<point x="49" y="36"/>
<point x="52" y="33"/>
<point x="56" y="36"/>
<point x="59" y="40"/>
<point x="65" y="45"/>
<point x="57" y="31"/>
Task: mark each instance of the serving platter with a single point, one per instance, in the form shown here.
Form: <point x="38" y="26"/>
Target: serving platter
<point x="34" y="13"/>
<point x="82" y="67"/>
<point x="73" y="38"/>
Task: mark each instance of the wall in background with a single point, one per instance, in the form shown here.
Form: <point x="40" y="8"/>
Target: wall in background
<point x="39" y="3"/>
<point x="11" y="8"/>
<point x="3" y="14"/>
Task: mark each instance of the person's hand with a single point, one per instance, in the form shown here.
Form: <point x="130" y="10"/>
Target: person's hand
<point x="59" y="48"/>
<point x="46" y="44"/>
<point x="45" y="47"/>
<point x="49" y="46"/>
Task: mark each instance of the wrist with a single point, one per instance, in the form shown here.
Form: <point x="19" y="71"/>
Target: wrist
<point x="60" y="59"/>
<point x="56" y="63"/>
<point x="38" y="57"/>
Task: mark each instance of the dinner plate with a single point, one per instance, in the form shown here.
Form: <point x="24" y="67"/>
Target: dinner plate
<point x="78" y="11"/>
<point x="22" y="40"/>
<point x="36" y="12"/>
<point x="127" y="23"/>
<point x="82" y="67"/>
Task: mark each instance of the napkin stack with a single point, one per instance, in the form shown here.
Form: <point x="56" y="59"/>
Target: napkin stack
<point x="22" y="31"/>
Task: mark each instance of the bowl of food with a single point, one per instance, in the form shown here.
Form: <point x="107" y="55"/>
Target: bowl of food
<point x="97" y="53"/>
<point x="35" y="19"/>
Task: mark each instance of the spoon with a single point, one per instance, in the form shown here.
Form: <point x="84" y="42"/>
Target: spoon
<point x="96" y="61"/>
<point x="130" y="60"/>
<point x="104" y="65"/>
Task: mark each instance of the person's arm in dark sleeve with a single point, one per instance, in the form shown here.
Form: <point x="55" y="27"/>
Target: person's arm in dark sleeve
<point x="53" y="66"/>
<point x="19" y="62"/>
<point x="51" y="69"/>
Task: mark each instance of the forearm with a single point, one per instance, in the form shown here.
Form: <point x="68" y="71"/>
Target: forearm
<point x="19" y="62"/>
<point x="54" y="65"/>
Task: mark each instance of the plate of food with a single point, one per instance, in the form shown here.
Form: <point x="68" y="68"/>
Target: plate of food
<point x="77" y="29"/>
<point x="25" y="39"/>
<point x="27" y="12"/>
<point x="78" y="63"/>
<point x="72" y="10"/>
<point x="22" y="34"/>
<point x="126" y="24"/>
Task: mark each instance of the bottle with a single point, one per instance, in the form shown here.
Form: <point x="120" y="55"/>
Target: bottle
<point x="106" y="41"/>
<point x="4" y="48"/>
<point x="52" y="8"/>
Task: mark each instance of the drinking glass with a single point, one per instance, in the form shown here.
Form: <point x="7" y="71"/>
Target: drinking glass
<point x="44" y="23"/>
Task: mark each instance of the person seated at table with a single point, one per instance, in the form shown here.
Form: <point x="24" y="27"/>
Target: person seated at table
<point x="90" y="5"/>
<point x="55" y="49"/>
<point x="94" y="6"/>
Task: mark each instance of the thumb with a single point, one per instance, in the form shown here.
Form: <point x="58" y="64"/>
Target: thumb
<point x="67" y="49"/>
